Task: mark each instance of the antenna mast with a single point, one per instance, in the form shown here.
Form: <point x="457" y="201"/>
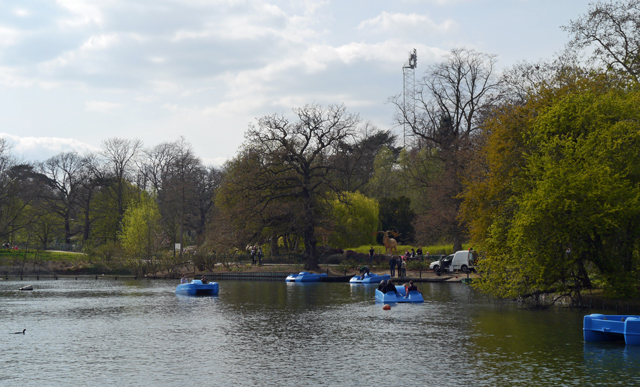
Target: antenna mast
<point x="409" y="93"/>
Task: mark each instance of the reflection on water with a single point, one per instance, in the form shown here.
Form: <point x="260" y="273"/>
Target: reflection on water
<point x="140" y="333"/>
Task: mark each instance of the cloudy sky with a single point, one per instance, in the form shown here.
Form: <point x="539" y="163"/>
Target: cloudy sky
<point x="76" y="72"/>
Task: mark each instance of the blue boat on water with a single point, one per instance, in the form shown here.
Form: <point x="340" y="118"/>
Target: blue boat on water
<point x="391" y="297"/>
<point x="305" y="276"/>
<point x="196" y="288"/>
<point x="369" y="279"/>
<point x="601" y="327"/>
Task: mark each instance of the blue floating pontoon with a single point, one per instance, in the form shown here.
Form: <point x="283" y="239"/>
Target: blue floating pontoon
<point x="305" y="276"/>
<point x="369" y="279"/>
<point x="601" y="327"/>
<point x="196" y="287"/>
<point x="391" y="297"/>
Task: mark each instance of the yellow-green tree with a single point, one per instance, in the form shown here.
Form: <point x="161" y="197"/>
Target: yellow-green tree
<point x="355" y="218"/>
<point x="141" y="230"/>
<point x="558" y="205"/>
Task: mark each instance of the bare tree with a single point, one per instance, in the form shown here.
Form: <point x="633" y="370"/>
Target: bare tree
<point x="452" y="96"/>
<point x="612" y="30"/>
<point x="66" y="172"/>
<point x="292" y="167"/>
<point x="115" y="172"/>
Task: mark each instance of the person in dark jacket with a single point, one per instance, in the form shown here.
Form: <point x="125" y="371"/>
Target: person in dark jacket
<point x="390" y="287"/>
<point x="411" y="288"/>
<point x="399" y="265"/>
<point x="392" y="266"/>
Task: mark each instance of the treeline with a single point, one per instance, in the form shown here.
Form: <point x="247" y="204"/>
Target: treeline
<point x="538" y="166"/>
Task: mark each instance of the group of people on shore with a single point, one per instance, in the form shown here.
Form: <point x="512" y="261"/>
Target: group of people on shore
<point x="400" y="263"/>
<point x="256" y="254"/>
<point x="389" y="286"/>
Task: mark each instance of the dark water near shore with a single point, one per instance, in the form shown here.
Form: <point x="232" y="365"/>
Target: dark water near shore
<point x="139" y="333"/>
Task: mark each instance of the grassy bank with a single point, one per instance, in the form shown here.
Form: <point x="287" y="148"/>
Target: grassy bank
<point x="433" y="249"/>
<point x="41" y="256"/>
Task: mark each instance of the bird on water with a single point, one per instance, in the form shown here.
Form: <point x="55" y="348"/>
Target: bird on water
<point x="20" y="333"/>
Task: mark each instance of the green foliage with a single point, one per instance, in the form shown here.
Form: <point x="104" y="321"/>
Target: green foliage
<point x="141" y="231"/>
<point x="384" y="182"/>
<point x="564" y="174"/>
<point x="396" y="214"/>
<point x="356" y="219"/>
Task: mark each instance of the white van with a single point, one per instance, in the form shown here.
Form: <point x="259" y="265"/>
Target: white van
<point x="462" y="260"/>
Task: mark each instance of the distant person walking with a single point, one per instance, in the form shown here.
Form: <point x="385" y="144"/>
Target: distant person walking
<point x="371" y="252"/>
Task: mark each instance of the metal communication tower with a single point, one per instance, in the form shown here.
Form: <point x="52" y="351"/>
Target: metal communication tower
<point x="409" y="93"/>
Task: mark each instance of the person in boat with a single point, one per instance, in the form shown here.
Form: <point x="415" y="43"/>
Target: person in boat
<point x="390" y="287"/>
<point x="204" y="280"/>
<point x="363" y="271"/>
<point x="411" y="288"/>
<point x="382" y="285"/>
<point x="184" y="279"/>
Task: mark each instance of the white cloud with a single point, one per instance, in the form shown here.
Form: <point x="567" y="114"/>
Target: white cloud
<point x="413" y="23"/>
<point x="41" y="148"/>
<point x="84" y="12"/>
<point x="8" y="36"/>
<point x="100" y="106"/>
<point x="21" y="12"/>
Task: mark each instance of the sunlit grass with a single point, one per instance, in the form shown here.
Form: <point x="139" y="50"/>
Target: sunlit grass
<point x="433" y="249"/>
<point x="53" y="256"/>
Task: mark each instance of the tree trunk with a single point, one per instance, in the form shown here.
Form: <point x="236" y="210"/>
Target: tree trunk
<point x="309" y="234"/>
<point x="274" y="244"/>
<point x="67" y="231"/>
<point x="457" y="242"/>
<point x="310" y="249"/>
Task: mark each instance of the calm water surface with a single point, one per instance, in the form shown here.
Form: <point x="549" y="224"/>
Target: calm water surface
<point x="139" y="333"/>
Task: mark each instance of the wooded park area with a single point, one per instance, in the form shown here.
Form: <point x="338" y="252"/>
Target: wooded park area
<point x="537" y="166"/>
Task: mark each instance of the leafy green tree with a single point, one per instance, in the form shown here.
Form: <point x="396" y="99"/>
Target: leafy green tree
<point x="355" y="219"/>
<point x="385" y="181"/>
<point x="141" y="233"/>
<point x="559" y="204"/>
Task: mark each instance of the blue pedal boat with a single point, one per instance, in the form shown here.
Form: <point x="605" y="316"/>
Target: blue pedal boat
<point x="369" y="279"/>
<point x="390" y="297"/>
<point x="196" y="287"/>
<point x="305" y="276"/>
<point x="601" y="327"/>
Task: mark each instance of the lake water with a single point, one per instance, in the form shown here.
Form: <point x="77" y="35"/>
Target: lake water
<point x="139" y="333"/>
